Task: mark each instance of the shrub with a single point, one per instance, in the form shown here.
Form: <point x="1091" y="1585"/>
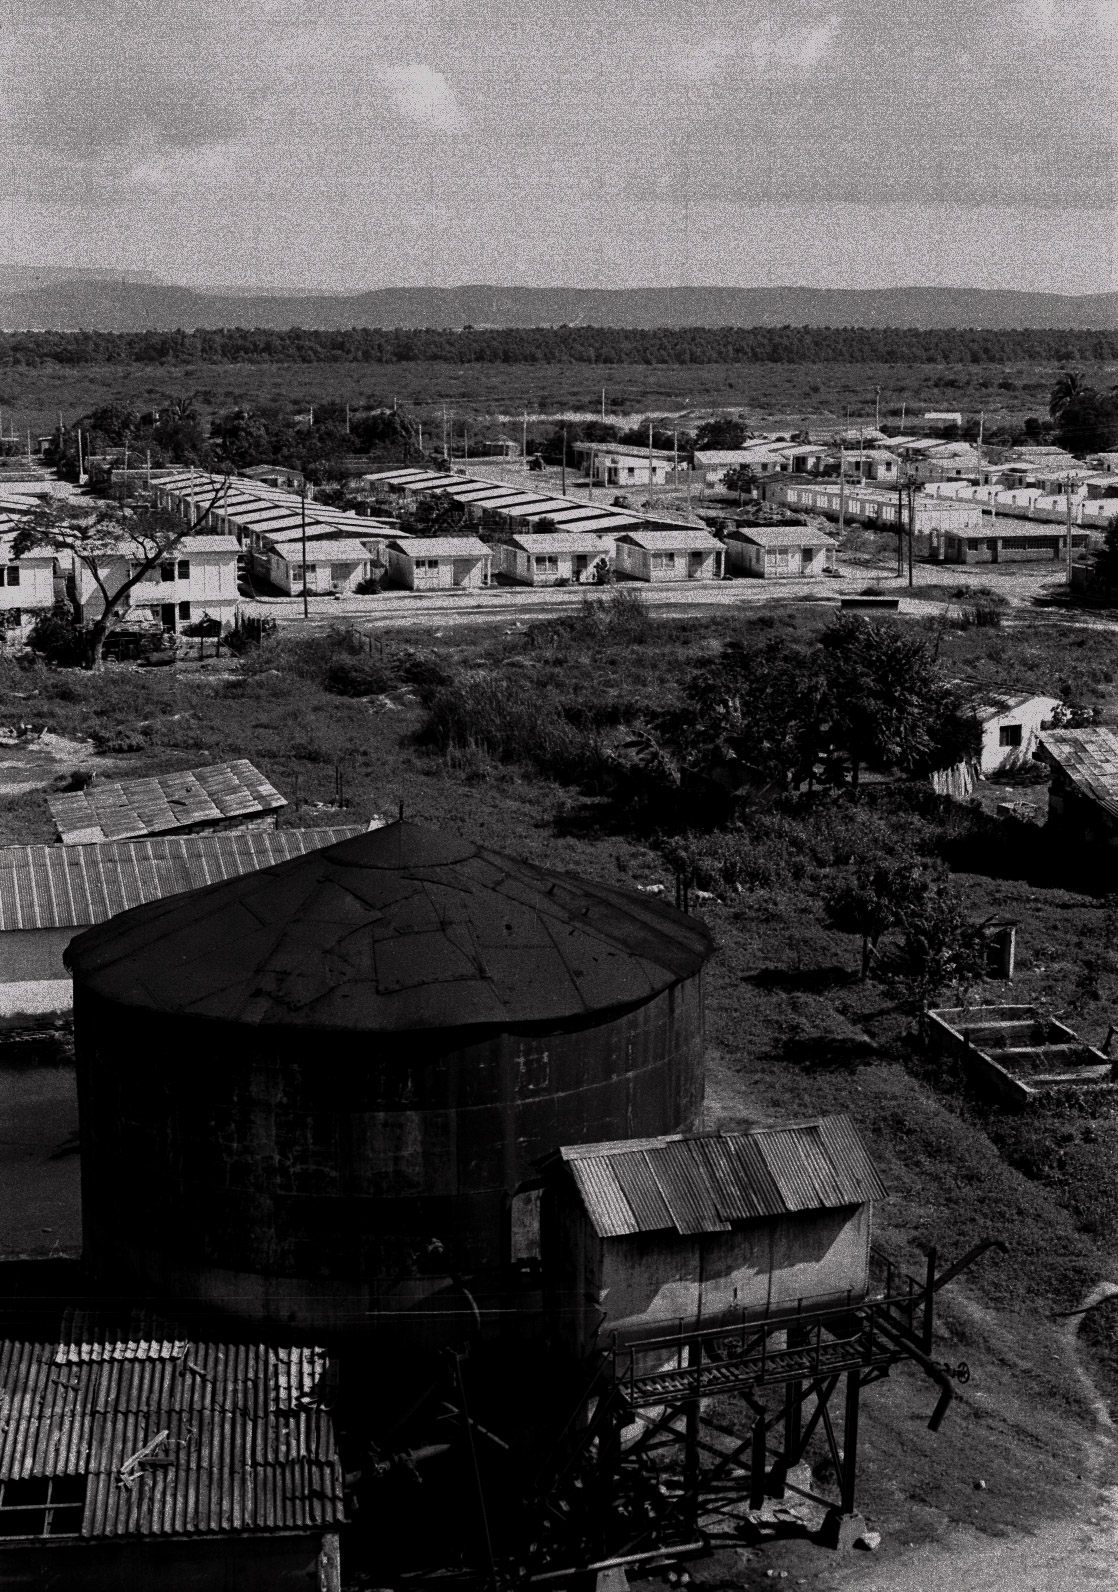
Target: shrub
<point x="57" y="638"/>
<point x="359" y="676"/>
<point x="511" y="720"/>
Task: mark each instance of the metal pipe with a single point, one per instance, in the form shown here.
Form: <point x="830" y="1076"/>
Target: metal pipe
<point x="937" y="1373"/>
<point x="617" y="1563"/>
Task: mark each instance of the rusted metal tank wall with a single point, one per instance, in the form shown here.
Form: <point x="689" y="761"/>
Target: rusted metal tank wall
<point x="309" y="1177"/>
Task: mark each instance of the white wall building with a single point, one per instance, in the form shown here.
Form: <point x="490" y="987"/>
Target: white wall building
<point x="437" y="563"/>
<point x="682" y="554"/>
<point x="26" y="588"/>
<point x="549" y="558"/>
<point x="620" y="464"/>
<point x="197" y="578"/>
<point x="773" y="552"/>
<point x="334" y="565"/>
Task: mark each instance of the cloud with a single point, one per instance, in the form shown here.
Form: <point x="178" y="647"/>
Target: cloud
<point x="798" y="48"/>
<point x="422" y="95"/>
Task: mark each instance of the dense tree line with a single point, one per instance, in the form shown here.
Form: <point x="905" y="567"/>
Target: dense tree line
<point x="580" y="345"/>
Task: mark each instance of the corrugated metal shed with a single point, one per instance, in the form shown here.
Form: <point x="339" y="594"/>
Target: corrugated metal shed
<point x="1088" y="759"/>
<point x="165" y="802"/>
<point x="72" y="887"/>
<point x="238" y="1435"/>
<point x="700" y="1183"/>
<point x="404" y="928"/>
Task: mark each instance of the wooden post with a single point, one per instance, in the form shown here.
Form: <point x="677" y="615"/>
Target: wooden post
<point x="330" y="1564"/>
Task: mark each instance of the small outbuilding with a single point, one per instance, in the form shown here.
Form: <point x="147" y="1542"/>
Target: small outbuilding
<point x="437" y="563"/>
<point x="776" y="552"/>
<point x="639" y="1235"/>
<point x="1011" y="729"/>
<point x="1083" y="789"/>
<point x="554" y="558"/>
<point x="679" y="553"/>
<point x="139" y="1455"/>
<point x="334" y="564"/>
<point x="197" y="801"/>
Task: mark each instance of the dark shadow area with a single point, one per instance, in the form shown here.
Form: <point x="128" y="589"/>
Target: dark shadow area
<point x="804" y="980"/>
<point x="829" y="1052"/>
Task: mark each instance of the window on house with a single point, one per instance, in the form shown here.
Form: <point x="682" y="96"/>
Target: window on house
<point x="630" y="472"/>
<point x="167" y="569"/>
<point x="42" y="1506"/>
<point x="184" y="610"/>
<point x="184" y="569"/>
<point x="1009" y="735"/>
<point x="13" y="575"/>
<point x="548" y="564"/>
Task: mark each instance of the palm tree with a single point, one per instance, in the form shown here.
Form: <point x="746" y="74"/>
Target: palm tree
<point x="1068" y="393"/>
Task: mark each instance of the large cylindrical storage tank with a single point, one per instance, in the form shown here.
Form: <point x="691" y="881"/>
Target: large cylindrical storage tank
<point x="310" y="1092"/>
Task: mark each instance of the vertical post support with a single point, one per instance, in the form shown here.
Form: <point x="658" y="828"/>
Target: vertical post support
<point x="929" y="1302"/>
<point x="850" y="1440"/>
<point x="793" y="1404"/>
<point x="691" y="1475"/>
<point x="757" y="1463"/>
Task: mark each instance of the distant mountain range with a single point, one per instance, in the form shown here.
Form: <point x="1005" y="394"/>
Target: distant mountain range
<point x="53" y="300"/>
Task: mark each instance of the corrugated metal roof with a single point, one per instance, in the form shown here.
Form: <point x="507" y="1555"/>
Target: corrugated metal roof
<point x="1089" y="759"/>
<point x="239" y="1434"/>
<point x="404" y="928"/>
<point x="700" y="1183"/>
<point x="164" y="802"/>
<point x="71" y="887"/>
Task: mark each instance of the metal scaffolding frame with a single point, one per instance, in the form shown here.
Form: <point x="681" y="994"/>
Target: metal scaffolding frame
<point x="601" y="1496"/>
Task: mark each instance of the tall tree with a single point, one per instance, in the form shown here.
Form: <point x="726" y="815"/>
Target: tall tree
<point x="119" y="547"/>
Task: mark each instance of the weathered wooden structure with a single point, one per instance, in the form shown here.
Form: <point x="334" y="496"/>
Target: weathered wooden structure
<point x="1012" y="1054"/>
<point x="645" y="1234"/>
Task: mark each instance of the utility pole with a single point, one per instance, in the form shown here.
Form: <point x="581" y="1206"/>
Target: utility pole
<point x="900" y="522"/>
<point x="911" y="526"/>
<point x="81" y="472"/>
<point x="603" y="403"/>
<point x="877" y="411"/>
<point x="563" y="492"/>
<point x="347" y="420"/>
<point x="466" y="441"/>
<point x="524" y="439"/>
<point x="446" y="454"/>
<point x="590" y="490"/>
<point x="651" y="467"/>
<point x="675" y="463"/>
<point x="303" y="526"/>
<point x="842" y="489"/>
<point x="420" y="438"/>
<point x="903" y="406"/>
<point x="1067" y="503"/>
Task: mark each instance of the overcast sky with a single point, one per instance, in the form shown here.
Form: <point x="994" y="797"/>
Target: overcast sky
<point x="360" y="143"/>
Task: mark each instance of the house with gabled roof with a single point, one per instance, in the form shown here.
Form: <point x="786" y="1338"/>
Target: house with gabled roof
<point x="679" y="552"/>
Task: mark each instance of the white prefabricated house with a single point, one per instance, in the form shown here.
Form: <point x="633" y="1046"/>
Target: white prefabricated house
<point x="26" y="588"/>
<point x="774" y="552"/>
<point x="549" y="558"/>
<point x="198" y="578"/>
<point x="334" y="564"/>
<point x="678" y="554"/>
<point x="437" y="563"/>
<point x="640" y="1236"/>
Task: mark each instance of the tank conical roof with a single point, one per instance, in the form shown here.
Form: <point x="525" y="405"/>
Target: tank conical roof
<point x="401" y="928"/>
